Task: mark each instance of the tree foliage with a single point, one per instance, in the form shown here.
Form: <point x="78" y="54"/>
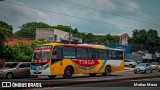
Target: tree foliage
<point x="5" y="34"/>
<point x="145" y="39"/>
<point x="29" y="29"/>
<point x="5" y="31"/>
<point x="6" y="25"/>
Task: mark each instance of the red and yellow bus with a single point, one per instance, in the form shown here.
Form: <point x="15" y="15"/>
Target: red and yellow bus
<point x="54" y="59"/>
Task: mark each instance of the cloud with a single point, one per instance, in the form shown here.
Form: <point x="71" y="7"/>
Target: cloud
<point x="20" y="14"/>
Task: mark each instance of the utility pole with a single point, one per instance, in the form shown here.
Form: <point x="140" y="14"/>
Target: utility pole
<point x="70" y="35"/>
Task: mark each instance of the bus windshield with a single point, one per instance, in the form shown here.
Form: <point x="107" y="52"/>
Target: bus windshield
<point x="41" y="55"/>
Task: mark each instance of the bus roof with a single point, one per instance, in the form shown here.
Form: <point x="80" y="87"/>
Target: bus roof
<point x="82" y="45"/>
<point x="53" y="44"/>
<point x="76" y="45"/>
<point x="114" y="49"/>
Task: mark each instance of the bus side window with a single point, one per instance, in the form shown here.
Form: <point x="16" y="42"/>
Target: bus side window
<point x="69" y="52"/>
<point x="57" y="53"/>
<point x="92" y="53"/>
<point x="102" y="54"/>
<point x="109" y="54"/>
<point x="119" y="55"/>
<point x="82" y="53"/>
<point x="114" y="54"/>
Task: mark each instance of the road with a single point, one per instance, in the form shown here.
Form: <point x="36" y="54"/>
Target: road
<point x="81" y="79"/>
<point x="123" y="85"/>
<point x="84" y="77"/>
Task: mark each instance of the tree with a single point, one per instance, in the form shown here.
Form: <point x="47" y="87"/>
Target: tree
<point x="110" y="39"/>
<point x="39" y="42"/>
<point x="29" y="29"/>
<point x="89" y="38"/>
<point x="7" y="26"/>
<point x="5" y="34"/>
<point x="106" y="40"/>
<point x="23" y="51"/>
<point x="24" y="33"/>
<point x="5" y="31"/>
<point x="145" y="39"/>
<point x="9" y="53"/>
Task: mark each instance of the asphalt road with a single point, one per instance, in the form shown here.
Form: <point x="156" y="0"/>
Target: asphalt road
<point x="60" y="82"/>
<point x="123" y="85"/>
<point x="84" y="77"/>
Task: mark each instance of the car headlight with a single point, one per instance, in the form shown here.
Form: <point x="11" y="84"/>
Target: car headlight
<point x="1" y="71"/>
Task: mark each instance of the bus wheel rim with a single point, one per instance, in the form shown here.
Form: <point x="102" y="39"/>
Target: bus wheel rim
<point x="68" y="72"/>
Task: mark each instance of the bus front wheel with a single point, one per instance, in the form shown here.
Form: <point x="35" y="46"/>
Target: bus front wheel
<point x="68" y="73"/>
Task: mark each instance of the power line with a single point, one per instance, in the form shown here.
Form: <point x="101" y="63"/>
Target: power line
<point x="153" y="3"/>
<point x="108" y="12"/>
<point x="22" y="16"/>
<point x="69" y="15"/>
<point x="133" y="7"/>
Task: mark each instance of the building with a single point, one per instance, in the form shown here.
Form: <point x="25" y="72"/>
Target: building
<point x="125" y="48"/>
<point x="56" y="35"/>
<point x="123" y="38"/>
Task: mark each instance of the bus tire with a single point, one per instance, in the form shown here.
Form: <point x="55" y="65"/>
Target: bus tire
<point x="92" y="74"/>
<point x="107" y="71"/>
<point x="68" y="73"/>
<point x="52" y="76"/>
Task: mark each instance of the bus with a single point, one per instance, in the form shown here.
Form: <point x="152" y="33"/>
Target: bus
<point x="55" y="59"/>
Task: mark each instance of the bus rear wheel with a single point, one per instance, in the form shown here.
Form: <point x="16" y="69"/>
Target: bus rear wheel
<point x="52" y="76"/>
<point x="68" y="72"/>
<point x="107" y="71"/>
<point x="92" y="74"/>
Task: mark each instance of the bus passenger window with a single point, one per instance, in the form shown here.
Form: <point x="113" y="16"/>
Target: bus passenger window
<point x="92" y="53"/>
<point x="109" y="53"/>
<point x="119" y="55"/>
<point x="102" y="54"/>
<point x="69" y="52"/>
<point x="114" y="55"/>
<point x="82" y="53"/>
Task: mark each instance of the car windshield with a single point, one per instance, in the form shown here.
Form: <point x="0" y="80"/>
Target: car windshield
<point x="11" y="65"/>
<point x="153" y="63"/>
<point x="142" y="64"/>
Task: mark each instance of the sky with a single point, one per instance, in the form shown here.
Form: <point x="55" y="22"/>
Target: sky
<point x="91" y="16"/>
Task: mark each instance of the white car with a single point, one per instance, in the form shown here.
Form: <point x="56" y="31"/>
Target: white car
<point x="154" y="65"/>
<point x="129" y="63"/>
<point x="158" y="67"/>
<point x="143" y="68"/>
